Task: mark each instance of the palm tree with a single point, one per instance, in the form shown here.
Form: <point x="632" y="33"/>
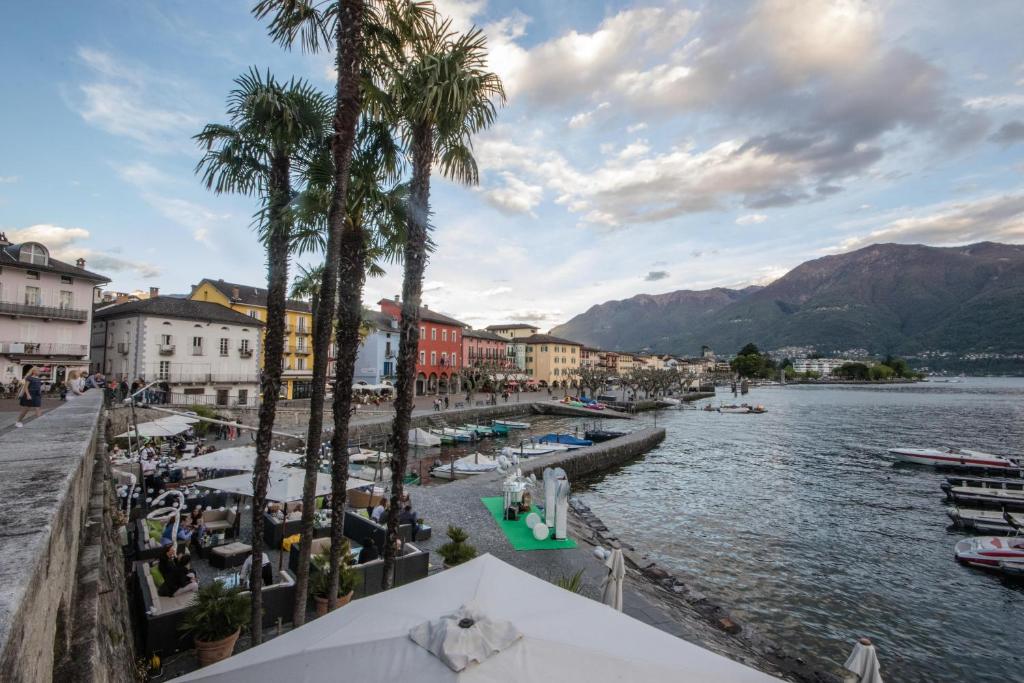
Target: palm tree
<point x="272" y="128"/>
<point x="306" y="285"/>
<point x="444" y="94"/>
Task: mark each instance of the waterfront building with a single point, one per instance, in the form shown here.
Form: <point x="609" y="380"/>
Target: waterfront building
<point x="378" y="349"/>
<point x="624" y="364"/>
<point x="822" y="366"/>
<point x="515" y="333"/>
<point x="45" y="312"/>
<point x="297" y="365"/>
<point x="483" y="347"/>
<point x="209" y="354"/>
<point x="590" y="357"/>
<point x="550" y="360"/>
<point x="439" y="351"/>
<point x="609" y="360"/>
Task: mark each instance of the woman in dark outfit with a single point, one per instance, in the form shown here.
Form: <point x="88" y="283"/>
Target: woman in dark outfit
<point x="30" y="395"/>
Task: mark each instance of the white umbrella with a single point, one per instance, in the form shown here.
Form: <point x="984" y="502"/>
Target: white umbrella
<point x="612" y="595"/>
<point x="237" y="458"/>
<point x="285" y="485"/>
<point x="155" y="428"/>
<point x="863" y="663"/>
<point x="502" y="623"/>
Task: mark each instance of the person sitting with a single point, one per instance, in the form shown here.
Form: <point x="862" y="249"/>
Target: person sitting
<point x="369" y="552"/>
<point x="184" y="532"/>
<point x="407" y="516"/>
<point x="179" y="578"/>
<point x="197" y="523"/>
<point x="380" y="512"/>
<point x="266" y="570"/>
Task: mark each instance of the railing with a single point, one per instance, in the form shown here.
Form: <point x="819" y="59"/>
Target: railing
<point x="39" y="311"/>
<point x="245" y="353"/>
<point x="204" y="378"/>
<point x="176" y="399"/>
<point x="304" y="351"/>
<point x="166" y="349"/>
<point x="44" y="349"/>
<point x="197" y="350"/>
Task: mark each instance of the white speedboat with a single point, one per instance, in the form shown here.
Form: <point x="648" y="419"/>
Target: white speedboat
<point x="953" y="457"/>
<point x="1001" y="554"/>
<point x="512" y="425"/>
<point x="466" y="466"/>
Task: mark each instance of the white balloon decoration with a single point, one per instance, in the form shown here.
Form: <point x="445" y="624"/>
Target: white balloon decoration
<point x="540" y="531"/>
<point x="532" y="520"/>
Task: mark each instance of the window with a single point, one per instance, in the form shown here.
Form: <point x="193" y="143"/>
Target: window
<point x="65" y="280"/>
<point x="454" y="358"/>
<point x="165" y="370"/>
<point x="243" y="397"/>
<point x="444" y="335"/>
<point x="433" y="357"/>
<point x="423" y="333"/>
<point x="544" y="349"/>
<point x="197" y="346"/>
<point x="32" y="274"/>
<point x="433" y="334"/>
<point x="165" y="340"/>
<point x="300" y="363"/>
<point x="33" y="253"/>
<point x="224" y="344"/>
<point x="32" y="296"/>
<point x="243" y="346"/>
<point x="423" y="357"/>
<point x="302" y="324"/>
<point x="300" y="344"/>
<point x="66" y="299"/>
<point x="444" y="358"/>
<point x="455" y="336"/>
<point x="253" y="313"/>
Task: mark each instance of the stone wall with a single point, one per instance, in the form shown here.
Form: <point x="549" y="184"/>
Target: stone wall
<point x="598" y="457"/>
<point x="48" y="472"/>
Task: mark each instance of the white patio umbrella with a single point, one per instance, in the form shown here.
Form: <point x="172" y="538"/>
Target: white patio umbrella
<point x="612" y="595"/>
<point x="285" y="484"/>
<point x="155" y="428"/>
<point x="237" y="458"/>
<point x="490" y="622"/>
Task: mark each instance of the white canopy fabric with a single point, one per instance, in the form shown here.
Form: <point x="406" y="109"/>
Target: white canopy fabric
<point x="186" y="419"/>
<point x="565" y="637"/>
<point x="612" y="595"/>
<point x="423" y="439"/>
<point x="285" y="484"/>
<point x="156" y="428"/>
<point x="863" y="662"/>
<point x="237" y="458"/>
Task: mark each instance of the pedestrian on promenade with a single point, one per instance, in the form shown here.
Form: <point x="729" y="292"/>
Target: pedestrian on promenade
<point x="30" y="395"/>
<point x="446" y="402"/>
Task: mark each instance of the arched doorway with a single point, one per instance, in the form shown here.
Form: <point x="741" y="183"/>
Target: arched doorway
<point x="432" y="383"/>
<point x="442" y="384"/>
<point x="421" y="384"/>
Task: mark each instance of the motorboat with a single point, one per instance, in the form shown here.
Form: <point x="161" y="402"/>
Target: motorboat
<point x="987" y="497"/>
<point x="499" y="430"/>
<point x="466" y="466"/>
<point x="420" y="438"/>
<point x="954" y="457"/>
<point x="511" y="424"/>
<point x="453" y="435"/>
<point x="996" y="553"/>
<point x="357" y="454"/>
<point x="480" y="430"/>
<point x="669" y="400"/>
<point x="598" y="435"/>
<point x="566" y="439"/>
<point x="527" y="449"/>
<point x="739" y="410"/>
<point x="986" y="521"/>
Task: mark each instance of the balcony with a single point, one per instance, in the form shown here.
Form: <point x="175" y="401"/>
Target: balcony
<point x="122" y="348"/>
<point x="167" y="349"/>
<point x="304" y="351"/>
<point x="244" y="352"/>
<point x="197" y="350"/>
<point x="302" y="329"/>
<point x="288" y="328"/>
<point x="174" y="377"/>
<point x="44" y="349"/>
<point x="39" y="311"/>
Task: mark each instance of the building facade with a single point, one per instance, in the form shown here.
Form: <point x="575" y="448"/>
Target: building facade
<point x="551" y="361"/>
<point x="515" y="333"/>
<point x="207" y="353"/>
<point x="45" y="312"/>
<point x="483" y="347"/>
<point x="624" y="364"/>
<point x="590" y="357"/>
<point x="297" y="364"/>
<point x="378" y="350"/>
<point x="822" y="366"/>
<point x="439" y="352"/>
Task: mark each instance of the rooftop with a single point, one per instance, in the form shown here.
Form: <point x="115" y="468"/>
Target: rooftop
<point x="10" y="255"/>
<point x="173" y="307"/>
<point x="546" y="339"/>
<point x="253" y="296"/>
<point x="512" y="326"/>
<point x="484" y="334"/>
<point x="428" y="314"/>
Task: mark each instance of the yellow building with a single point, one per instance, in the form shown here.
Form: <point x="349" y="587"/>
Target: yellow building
<point x="625" y="364"/>
<point x="298" y="338"/>
<point x="551" y="360"/>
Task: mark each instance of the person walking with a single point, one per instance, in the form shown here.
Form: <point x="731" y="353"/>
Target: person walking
<point x="446" y="402"/>
<point x="30" y="395"/>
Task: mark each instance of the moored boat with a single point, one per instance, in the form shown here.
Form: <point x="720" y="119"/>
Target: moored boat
<point x="567" y="439"/>
<point x="466" y="466"/>
<point x="527" y="448"/>
<point x="598" y="435"/>
<point x="986" y="521"/>
<point x="1001" y="554"/>
<point x="479" y="430"/>
<point x="954" y="457"/>
<point x="511" y="424"/>
<point x="984" y="483"/>
<point x="452" y="435"/>
<point x="986" y="497"/>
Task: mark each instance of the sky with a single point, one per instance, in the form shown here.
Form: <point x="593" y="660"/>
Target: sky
<point x="645" y="147"/>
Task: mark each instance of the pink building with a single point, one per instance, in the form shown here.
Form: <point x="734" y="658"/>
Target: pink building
<point x="45" y="312"/>
<point x="482" y="347"/>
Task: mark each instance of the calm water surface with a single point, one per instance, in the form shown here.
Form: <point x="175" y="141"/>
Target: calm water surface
<point x="798" y="522"/>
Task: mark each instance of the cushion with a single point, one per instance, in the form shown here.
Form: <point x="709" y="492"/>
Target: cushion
<point x="232" y="549"/>
<point x="155" y="528"/>
<point x="158" y="578"/>
<point x="288" y="542"/>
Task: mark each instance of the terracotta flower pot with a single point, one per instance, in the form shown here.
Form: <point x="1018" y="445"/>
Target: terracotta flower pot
<point x="215" y="650"/>
<point x="321" y="603"/>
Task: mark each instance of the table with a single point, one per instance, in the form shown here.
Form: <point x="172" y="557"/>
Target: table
<point x="229" y="555"/>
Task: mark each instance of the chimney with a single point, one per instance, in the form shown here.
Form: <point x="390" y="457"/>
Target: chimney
<point x="3" y="239"/>
<point x="235" y="293"/>
<point x="154" y="292"/>
<point x="80" y="263"/>
<point x="426" y="307"/>
<point x="398" y="299"/>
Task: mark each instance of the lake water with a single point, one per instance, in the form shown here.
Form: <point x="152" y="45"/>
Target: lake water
<point x="798" y="522"/>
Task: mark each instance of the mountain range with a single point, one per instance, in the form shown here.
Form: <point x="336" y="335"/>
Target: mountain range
<point x="885" y="298"/>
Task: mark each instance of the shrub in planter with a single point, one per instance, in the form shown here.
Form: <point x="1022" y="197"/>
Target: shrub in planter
<point x="215" y="620"/>
<point x="319" y="580"/>
<point x="456" y="551"/>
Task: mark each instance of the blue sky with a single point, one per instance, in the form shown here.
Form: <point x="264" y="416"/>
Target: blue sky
<point x="646" y="147"/>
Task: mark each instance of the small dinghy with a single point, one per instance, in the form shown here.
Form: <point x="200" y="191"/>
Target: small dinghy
<point x="986" y="521"/>
<point x="598" y="435"/>
<point x="357" y="454"/>
<point x="466" y="466"/>
<point x="953" y="457"/>
<point x="566" y="439"/>
<point x="452" y="435"/>
<point x="527" y="449"/>
<point x="420" y="438"/>
<point x="510" y="424"/>
<point x="995" y="553"/>
<point x="987" y="497"/>
<point x="480" y="430"/>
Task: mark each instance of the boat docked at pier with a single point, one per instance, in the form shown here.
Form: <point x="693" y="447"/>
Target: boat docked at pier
<point x="528" y="448"/>
<point x="466" y="466"/>
<point x="598" y="435"/>
<point x="566" y="439"/>
<point x="452" y="435"/>
<point x="986" y="521"/>
<point x="511" y="424"/>
<point x="1008" y="499"/>
<point x="955" y="458"/>
<point x="995" y="553"/>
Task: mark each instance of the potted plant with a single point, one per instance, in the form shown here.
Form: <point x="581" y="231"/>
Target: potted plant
<point x="456" y="551"/>
<point x="320" y="580"/>
<point x="216" y="619"/>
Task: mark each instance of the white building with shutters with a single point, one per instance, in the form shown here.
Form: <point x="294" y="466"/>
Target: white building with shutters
<point x="208" y="354"/>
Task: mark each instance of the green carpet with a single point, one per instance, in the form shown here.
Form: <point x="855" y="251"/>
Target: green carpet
<point x="517" y="533"/>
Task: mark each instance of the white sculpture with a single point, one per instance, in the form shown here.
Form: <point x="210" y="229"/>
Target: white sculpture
<point x="561" y="508"/>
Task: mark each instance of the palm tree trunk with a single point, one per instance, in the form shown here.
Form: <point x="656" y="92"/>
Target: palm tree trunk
<point x="348" y="104"/>
<point x="278" y="243"/>
<point x="350" y="297"/>
<point x="412" y="290"/>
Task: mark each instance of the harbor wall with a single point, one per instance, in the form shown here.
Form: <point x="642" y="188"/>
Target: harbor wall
<point x="62" y="605"/>
<point x="600" y="456"/>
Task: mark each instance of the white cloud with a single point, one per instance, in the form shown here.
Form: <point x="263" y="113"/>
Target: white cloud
<point x="584" y="118"/>
<point x="1008" y="100"/>
<point x="66" y="244"/>
<point x="514" y="196"/>
<point x="636" y="127"/>
<point x="8" y="179"/>
<point x="153" y="185"/>
<point x="751" y="218"/>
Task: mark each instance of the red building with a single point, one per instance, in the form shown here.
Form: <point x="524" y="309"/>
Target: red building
<point x="440" y="349"/>
<point x="481" y="347"/>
